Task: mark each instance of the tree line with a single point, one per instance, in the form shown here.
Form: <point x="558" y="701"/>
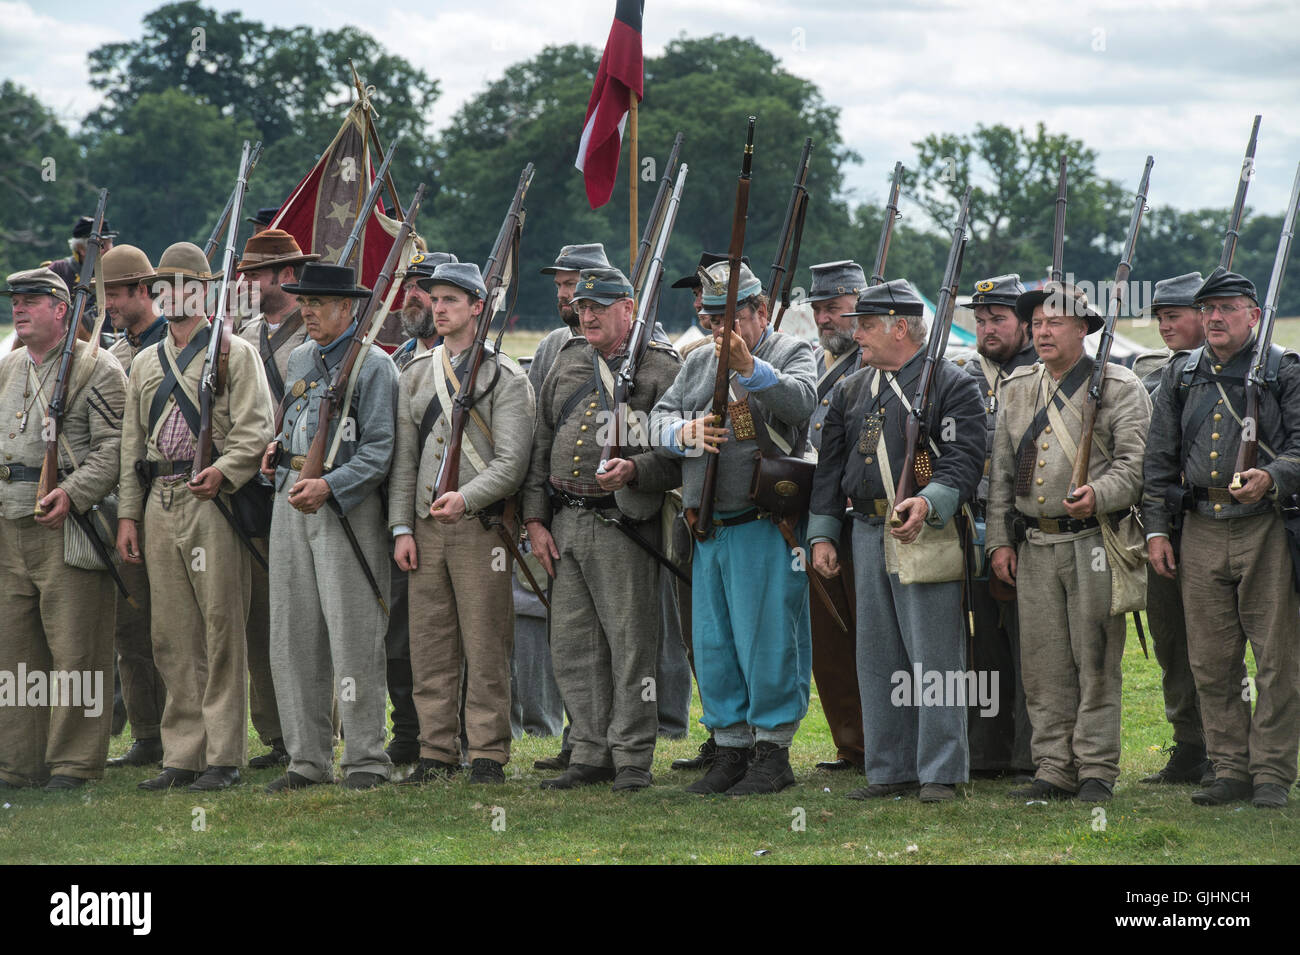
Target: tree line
<point x="181" y="98"/>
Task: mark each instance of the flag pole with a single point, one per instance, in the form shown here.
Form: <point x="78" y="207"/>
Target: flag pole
<point x="633" y="174"/>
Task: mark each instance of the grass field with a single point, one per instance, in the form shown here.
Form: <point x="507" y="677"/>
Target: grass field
<point x="111" y="821"/>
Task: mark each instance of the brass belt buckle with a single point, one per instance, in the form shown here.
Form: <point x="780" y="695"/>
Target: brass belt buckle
<point x="297" y="461"/>
<point x="880" y="506"/>
<point x="4" y="472"/>
<point x="1220" y="495"/>
<point x="1049" y="525"/>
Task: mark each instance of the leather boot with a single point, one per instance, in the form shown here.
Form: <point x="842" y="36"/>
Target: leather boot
<point x="730" y="764"/>
<point x="770" y="771"/>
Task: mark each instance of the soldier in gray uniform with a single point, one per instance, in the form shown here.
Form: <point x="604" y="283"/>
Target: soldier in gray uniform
<point x="902" y="627"/>
<point x="583" y="527"/>
<point x="1238" y="572"/>
<point x="1182" y="330"/>
<point x="327" y="628"/>
<point x="1000" y="742"/>
<point x="834" y="293"/>
<point x="1051" y="548"/>
<point x="272" y="259"/>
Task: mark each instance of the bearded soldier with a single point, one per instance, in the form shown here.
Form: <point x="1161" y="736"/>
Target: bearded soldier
<point x="594" y="532"/>
<point x="1182" y="330"/>
<point x="327" y="628"/>
<point x="749" y="612"/>
<point x="1049" y="544"/>
<point x="129" y="302"/>
<point x="461" y="607"/>
<point x="1236" y="570"/>
<point x="1003" y="344"/>
<point x="417" y="312"/>
<point x="834" y="292"/>
<point x="903" y="625"/>
<point x="199" y="572"/>
<point x="57" y="618"/>
<point x="272" y="259"/>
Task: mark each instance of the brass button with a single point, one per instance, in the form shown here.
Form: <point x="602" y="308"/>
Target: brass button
<point x="817" y="426"/>
<point x="583" y="428"/>
<point x="1214" y="474"/>
<point x="869" y="460"/>
<point x="578" y="442"/>
<point x="1046" y="445"/>
<point x="1039" y="480"/>
<point x="440" y="439"/>
<point x="1219" y="402"/>
<point x="1042" y="500"/>
<point x="575" y="473"/>
<point x="1215" y="436"/>
<point x="1218" y="417"/>
<point x="989" y="392"/>
<point x="1042" y="464"/>
<point x="592" y="405"/>
<point x="576" y="458"/>
<point x="1047" y="430"/>
<point x="588" y="414"/>
<point x="825" y="402"/>
<point x="1218" y="507"/>
<point x="1213" y="455"/>
<point x="1218" y="368"/>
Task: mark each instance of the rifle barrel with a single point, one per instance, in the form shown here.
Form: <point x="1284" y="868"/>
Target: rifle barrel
<point x="368" y="204"/>
<point x="887" y="227"/>
<point x="1239" y="202"/>
<point x="1058" y="228"/>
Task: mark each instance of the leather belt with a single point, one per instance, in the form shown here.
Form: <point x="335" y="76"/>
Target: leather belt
<point x="1215" y="495"/>
<point x="870" y="507"/>
<point x="575" y="500"/>
<point x="159" y="469"/>
<point x="745" y="517"/>
<point x="1065" y="525"/>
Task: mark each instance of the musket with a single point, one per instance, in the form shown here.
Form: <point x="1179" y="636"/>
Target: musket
<point x="1058" y="228"/>
<point x="499" y="283"/>
<point x="367" y="206"/>
<point x="214" y="238"/>
<point x="916" y="459"/>
<point x="787" y="247"/>
<point x="887" y="228"/>
<point x="641" y="265"/>
<point x="639" y="336"/>
<point x="1079" y="475"/>
<point x="1239" y="203"/>
<point x="49" y="478"/>
<point x="1248" y="452"/>
<point x="704" y="517"/>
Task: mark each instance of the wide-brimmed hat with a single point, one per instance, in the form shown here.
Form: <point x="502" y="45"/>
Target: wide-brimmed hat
<point x="575" y="258"/>
<point x="184" y="260"/>
<point x="263" y="216"/>
<point x="713" y="282"/>
<point x="327" y="281"/>
<point x="602" y="286"/>
<point x="273" y="249"/>
<point x="999" y="290"/>
<point x="1179" y="291"/>
<point x="1067" y="298"/>
<point x="1225" y="284"/>
<point x="889" y="298"/>
<point x="82" y="229"/>
<point x="463" y="275"/>
<point x="126" y="265"/>
<point x="42" y="281"/>
<point x="833" y="279"/>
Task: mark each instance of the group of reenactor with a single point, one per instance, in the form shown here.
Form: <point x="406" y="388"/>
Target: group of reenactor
<point x="295" y="619"/>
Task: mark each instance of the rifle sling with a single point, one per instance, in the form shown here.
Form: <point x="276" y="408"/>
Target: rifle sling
<point x="268" y="345"/>
<point x="171" y="384"/>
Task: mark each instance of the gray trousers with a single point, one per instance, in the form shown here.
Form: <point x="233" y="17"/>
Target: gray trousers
<point x="536" y="707"/>
<point x="605" y="639"/>
<point x="1169" y="638"/>
<point x="327" y="636"/>
<point x="999" y="742"/>
<point x="674" y="672"/>
<point x="901" y="627"/>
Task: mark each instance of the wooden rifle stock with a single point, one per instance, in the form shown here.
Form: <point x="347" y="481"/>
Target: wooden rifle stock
<point x="916" y="430"/>
<point x="787" y="249"/>
<point x="887" y="227"/>
<point x="1079" y="474"/>
<point x="331" y="402"/>
<point x="1248" y="452"/>
<point x="49" y="478"/>
<point x="704" y="518"/>
<point x="504" y="255"/>
<point x="641" y="265"/>
<point x="1239" y="202"/>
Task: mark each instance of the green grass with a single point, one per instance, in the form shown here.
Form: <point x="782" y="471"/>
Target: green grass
<point x="111" y="821"/>
<point x="1286" y="332"/>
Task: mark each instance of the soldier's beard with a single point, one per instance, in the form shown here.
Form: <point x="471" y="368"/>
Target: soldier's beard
<point x="569" y="315"/>
<point x="837" y="342"/>
<point x="417" y="322"/>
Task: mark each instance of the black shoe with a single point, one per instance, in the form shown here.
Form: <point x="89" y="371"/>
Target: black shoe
<point x="363" y="780"/>
<point x="6" y="784"/>
<point x="215" y="778"/>
<point x="1040" y="789"/>
<point x="1267" y="796"/>
<point x="1187" y="764"/>
<point x="630" y="778"/>
<point x="278" y="756"/>
<point x="485" y="771"/>
<point x="938" y="792"/>
<point x="1095" y="790"/>
<point x="840" y="765"/>
<point x="430" y="770"/>
<point x="770" y="771"/>
<point x="403" y="751"/>
<point x="555" y="764"/>
<point x="63" y="783"/>
<point x="702" y="760"/>
<point x="579" y="774"/>
<point x="292" y="780"/>
<point x="143" y="752"/>
<point x="168" y="779"/>
<point x="1223" y="791"/>
<point x="1208" y="779"/>
<point x="885" y="790"/>
<point x="730" y="764"/>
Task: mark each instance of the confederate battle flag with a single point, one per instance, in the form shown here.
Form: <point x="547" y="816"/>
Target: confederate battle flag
<point x="621" y="70"/>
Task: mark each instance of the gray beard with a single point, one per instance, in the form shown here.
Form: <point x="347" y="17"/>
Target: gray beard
<point x="836" y="342"/>
<point x="418" y="324"/>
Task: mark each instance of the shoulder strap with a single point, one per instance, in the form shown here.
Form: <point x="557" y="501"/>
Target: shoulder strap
<point x="1077" y="376"/>
<point x="575" y="399"/>
<point x="267" y="345"/>
<point x="171" y="385"/>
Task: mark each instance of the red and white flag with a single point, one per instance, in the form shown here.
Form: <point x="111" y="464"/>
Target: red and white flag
<point x="621" y="70"/>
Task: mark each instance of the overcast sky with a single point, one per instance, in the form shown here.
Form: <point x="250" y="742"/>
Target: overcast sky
<point x="1180" y="79"/>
